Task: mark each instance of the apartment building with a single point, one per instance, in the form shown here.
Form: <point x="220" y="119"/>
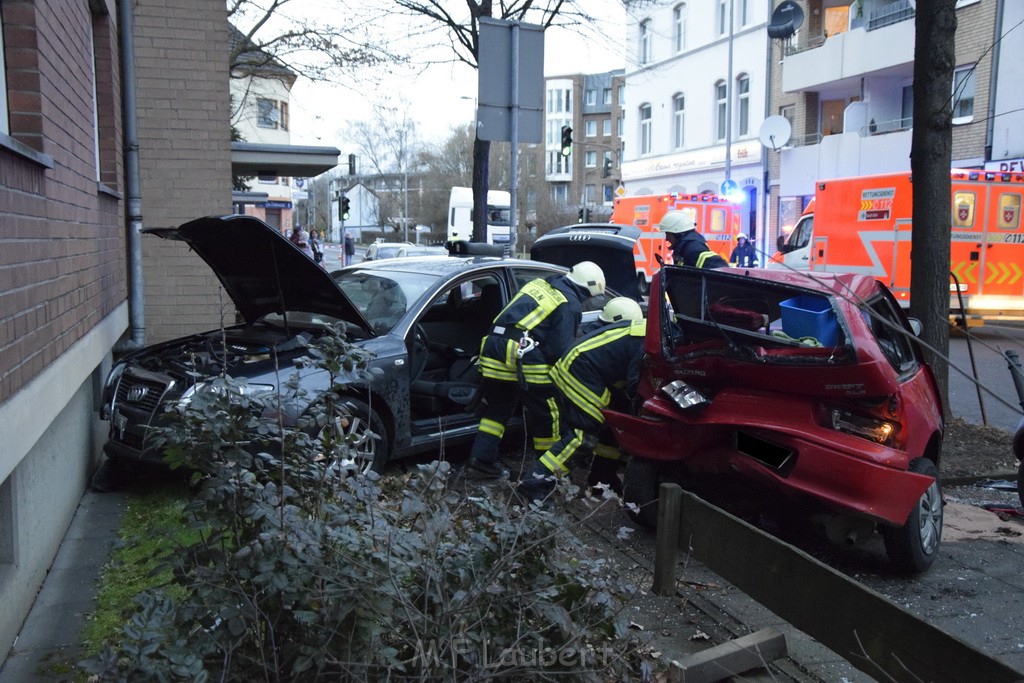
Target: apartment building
<point x="845" y="83"/>
<point x="696" y="84"/>
<point x="590" y="104"/>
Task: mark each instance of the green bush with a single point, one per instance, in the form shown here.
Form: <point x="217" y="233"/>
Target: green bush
<point x="306" y="571"/>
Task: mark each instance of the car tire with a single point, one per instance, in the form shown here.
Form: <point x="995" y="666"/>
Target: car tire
<point x="643" y="285"/>
<point x="640" y="489"/>
<point x="363" y="431"/>
<point x="913" y="547"/>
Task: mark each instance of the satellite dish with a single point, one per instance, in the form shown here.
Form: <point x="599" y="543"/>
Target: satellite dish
<point x="786" y="19"/>
<point x="775" y="132"/>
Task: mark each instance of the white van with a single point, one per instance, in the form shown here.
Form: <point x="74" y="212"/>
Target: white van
<point x="460" y="215"/>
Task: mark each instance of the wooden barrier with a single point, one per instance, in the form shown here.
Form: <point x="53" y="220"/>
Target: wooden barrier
<point x="857" y="623"/>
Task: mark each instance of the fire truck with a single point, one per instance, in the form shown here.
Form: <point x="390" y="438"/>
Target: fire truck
<point x="718" y="220"/>
<point x="865" y="225"/>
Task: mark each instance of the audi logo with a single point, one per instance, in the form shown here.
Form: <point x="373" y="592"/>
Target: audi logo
<point x="579" y="238"/>
<point x="136" y="394"/>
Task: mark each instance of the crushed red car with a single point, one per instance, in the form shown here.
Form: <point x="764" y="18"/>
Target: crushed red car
<point x="813" y="389"/>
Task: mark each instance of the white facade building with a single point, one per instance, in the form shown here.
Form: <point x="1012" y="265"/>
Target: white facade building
<point x="679" y="96"/>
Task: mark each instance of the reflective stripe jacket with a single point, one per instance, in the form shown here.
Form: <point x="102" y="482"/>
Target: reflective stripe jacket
<point x="692" y="250"/>
<point x="606" y="359"/>
<point x="550" y="310"/>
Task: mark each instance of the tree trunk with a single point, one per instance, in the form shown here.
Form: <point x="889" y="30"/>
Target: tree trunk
<point x="481" y="160"/>
<point x="930" y="159"/>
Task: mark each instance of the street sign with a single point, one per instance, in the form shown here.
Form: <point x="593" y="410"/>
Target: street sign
<point x="494" y="108"/>
<point x="729" y="187"/>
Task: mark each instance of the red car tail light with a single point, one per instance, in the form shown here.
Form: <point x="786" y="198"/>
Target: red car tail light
<point x="874" y="428"/>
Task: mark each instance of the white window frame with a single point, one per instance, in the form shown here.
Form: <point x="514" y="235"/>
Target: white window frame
<point x="721" y="101"/>
<point x="590" y="97"/>
<point x="644" y="48"/>
<point x="744" y="12"/>
<point x="968" y="75"/>
<point x="606" y="127"/>
<point x="273" y="116"/>
<point x="742" y="105"/>
<point x="607" y="95"/>
<point x="645" y="129"/>
<point x="679" y="27"/>
<point x="722" y="25"/>
<point x="590" y="159"/>
<point x="590" y="128"/>
<point x="678" y="121"/>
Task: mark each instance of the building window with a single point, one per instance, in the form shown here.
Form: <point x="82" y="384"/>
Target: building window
<point x="4" y="123"/>
<point x="645" y="42"/>
<point x="622" y="95"/>
<point x="743" y="105"/>
<point x="590" y="97"/>
<point x="679" y="27"/>
<point x="645" y="129"/>
<point x="907" y="107"/>
<point x="590" y="159"/>
<point x="744" y="8"/>
<point x="621" y="126"/>
<point x="963" y="95"/>
<point x="607" y="127"/>
<point x="608" y="189"/>
<point x="591" y="128"/>
<point x="271" y="114"/>
<point x="567" y="94"/>
<point x="720" y="107"/>
<point x="607" y="96"/>
<point x="559" y="194"/>
<point x="678" y="121"/>
<point x="723" y="17"/>
<point x="589" y="194"/>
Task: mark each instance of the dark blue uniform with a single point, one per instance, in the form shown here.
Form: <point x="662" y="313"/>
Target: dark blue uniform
<point x="691" y="250"/>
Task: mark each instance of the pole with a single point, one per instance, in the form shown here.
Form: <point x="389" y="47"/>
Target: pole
<point x="513" y="189"/>
<point x="728" y="101"/>
<point x="405" y="211"/>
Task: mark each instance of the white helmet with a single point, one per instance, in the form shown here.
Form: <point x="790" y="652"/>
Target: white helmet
<point x="620" y="308"/>
<point x="677" y="221"/>
<point x="588" y="275"/>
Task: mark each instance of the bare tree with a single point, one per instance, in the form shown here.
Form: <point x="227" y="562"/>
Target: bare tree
<point x="930" y="159"/>
<point x="459" y="20"/>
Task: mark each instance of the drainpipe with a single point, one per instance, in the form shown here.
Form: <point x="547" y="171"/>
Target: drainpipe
<point x="136" y="317"/>
<point x="994" y="83"/>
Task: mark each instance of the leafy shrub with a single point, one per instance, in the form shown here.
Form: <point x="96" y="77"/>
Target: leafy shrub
<point x="307" y="571"/>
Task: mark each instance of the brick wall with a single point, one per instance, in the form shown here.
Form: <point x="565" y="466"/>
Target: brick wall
<point x="185" y="153"/>
<point x="61" y="234"/>
<point x="975" y="32"/>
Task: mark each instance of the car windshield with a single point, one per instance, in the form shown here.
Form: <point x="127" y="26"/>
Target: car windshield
<point x="383" y="297"/>
<point x="388" y="252"/>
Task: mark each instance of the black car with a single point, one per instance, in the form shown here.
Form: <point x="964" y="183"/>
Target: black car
<point x="421" y="318"/>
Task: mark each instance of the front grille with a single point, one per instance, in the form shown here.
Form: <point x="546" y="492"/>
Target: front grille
<point x="139" y="393"/>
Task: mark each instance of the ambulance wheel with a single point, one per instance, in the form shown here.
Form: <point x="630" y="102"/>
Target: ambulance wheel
<point x="640" y="491"/>
<point x="914" y="546"/>
<point x="643" y="285"/>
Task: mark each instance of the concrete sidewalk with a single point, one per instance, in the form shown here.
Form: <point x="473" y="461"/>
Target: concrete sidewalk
<point x="51" y="634"/>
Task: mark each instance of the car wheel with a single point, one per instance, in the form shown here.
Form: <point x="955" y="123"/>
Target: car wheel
<point x="640" y="489"/>
<point x="914" y="546"/>
<point x="643" y="285"/>
<point x="360" y="436"/>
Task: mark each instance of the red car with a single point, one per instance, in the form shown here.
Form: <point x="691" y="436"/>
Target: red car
<point x="813" y="389"/>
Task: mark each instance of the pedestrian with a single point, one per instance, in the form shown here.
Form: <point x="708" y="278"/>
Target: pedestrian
<point x="528" y="336"/>
<point x="744" y="255"/>
<point x="300" y="238"/>
<point x="601" y="367"/>
<point x="350" y="249"/>
<point x="688" y="245"/>
<point x="316" y="247"/>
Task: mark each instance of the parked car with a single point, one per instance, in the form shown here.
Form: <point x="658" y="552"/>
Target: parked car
<point x="812" y="389"/>
<point x="382" y="250"/>
<point x="422" y="318"/>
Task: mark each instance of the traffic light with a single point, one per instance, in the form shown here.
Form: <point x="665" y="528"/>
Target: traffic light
<point x="344" y="208"/>
<point x="584" y="215"/>
<point x="607" y="171"/>
<point x="566" y="141"/>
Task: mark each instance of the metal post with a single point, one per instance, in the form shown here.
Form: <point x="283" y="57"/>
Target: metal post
<point x="513" y="189"/>
<point x="728" y="101"/>
<point x="405" y="211"/>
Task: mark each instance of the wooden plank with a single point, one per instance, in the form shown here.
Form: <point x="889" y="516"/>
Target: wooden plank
<point x="669" y="507"/>
<point x="857" y="623"/>
<point x="731" y="658"/>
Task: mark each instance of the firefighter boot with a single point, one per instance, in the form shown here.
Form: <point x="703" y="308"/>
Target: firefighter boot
<point x="537" y="486"/>
<point x="604" y="471"/>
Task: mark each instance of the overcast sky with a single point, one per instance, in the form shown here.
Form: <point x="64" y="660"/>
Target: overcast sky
<point x="320" y="112"/>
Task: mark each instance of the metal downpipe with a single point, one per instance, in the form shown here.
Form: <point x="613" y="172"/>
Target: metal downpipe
<point x="136" y="302"/>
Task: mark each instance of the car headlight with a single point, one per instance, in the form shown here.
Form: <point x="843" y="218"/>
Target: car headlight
<point x="684" y="395"/>
<point x="869" y="428"/>
<point x="220" y="389"/>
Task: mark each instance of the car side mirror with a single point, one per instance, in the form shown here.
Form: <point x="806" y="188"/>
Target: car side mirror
<point x="780" y="243"/>
<point x="915" y="326"/>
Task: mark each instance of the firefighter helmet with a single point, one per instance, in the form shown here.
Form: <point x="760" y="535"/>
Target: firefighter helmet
<point x="677" y="221"/>
<point x="741" y="236"/>
<point x="588" y="275"/>
<point x="621" y="308"/>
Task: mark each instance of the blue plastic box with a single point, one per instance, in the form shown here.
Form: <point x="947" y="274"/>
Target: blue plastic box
<point x="810" y="316"/>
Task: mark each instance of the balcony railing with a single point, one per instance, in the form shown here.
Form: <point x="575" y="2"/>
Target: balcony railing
<point x="891" y="14"/>
<point x="893" y="126"/>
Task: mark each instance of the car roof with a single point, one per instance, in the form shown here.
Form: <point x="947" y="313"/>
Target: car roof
<point x="445" y="266"/>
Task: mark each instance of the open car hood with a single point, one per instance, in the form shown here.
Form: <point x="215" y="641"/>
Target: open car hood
<point x="261" y="270"/>
<point x="606" y="244"/>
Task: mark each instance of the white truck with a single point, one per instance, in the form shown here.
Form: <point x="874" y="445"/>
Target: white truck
<point x="460" y="215"/>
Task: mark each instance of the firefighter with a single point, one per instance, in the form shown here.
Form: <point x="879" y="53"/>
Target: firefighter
<point x="600" y="367"/>
<point x="744" y="255"/>
<point x="688" y="245"/>
<point x="528" y="336"/>
<point x="615" y="311"/>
